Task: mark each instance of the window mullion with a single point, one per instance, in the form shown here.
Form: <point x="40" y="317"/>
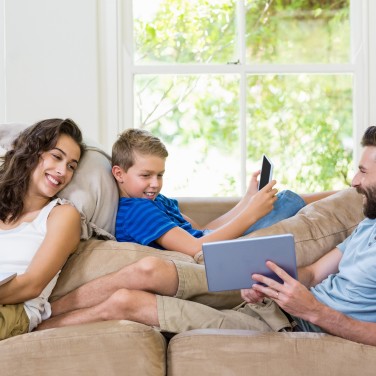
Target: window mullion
<point x="3" y="96"/>
<point x="241" y="39"/>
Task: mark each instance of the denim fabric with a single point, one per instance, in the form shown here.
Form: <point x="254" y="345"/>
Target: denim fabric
<point x="306" y="326"/>
<point x="287" y="205"/>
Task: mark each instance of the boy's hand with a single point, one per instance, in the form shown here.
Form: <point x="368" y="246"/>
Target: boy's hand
<point x="263" y="201"/>
<point x="253" y="185"/>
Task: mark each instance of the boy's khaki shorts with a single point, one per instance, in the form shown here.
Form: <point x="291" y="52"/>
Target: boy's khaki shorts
<point x="13" y="320"/>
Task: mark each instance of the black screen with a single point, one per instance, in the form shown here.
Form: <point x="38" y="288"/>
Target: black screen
<point x="265" y="172"/>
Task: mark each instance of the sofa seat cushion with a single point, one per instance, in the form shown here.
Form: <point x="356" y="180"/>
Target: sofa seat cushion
<point x="106" y="348"/>
<point x="242" y="352"/>
<point x="95" y="258"/>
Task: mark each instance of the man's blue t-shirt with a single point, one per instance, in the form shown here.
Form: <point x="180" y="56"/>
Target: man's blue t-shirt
<point x="352" y="290"/>
<point x="142" y="221"/>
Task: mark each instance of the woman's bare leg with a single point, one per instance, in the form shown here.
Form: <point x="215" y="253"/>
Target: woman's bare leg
<point x="152" y="274"/>
<point x="138" y="306"/>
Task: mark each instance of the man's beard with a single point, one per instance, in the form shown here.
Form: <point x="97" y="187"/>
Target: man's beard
<point x="369" y="207"/>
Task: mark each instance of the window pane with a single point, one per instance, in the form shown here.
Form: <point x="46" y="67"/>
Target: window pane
<point x="304" y="124"/>
<point x="184" y="31"/>
<point x="197" y="117"/>
<point x="284" y="31"/>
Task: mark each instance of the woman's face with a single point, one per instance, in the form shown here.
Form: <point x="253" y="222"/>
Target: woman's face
<point x="55" y="168"/>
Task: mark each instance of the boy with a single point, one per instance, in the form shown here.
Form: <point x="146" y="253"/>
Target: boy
<point x="147" y="217"/>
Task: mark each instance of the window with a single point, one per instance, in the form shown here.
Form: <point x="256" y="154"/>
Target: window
<point x="223" y="81"/>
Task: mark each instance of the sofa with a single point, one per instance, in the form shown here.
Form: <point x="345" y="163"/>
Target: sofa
<point x="130" y="348"/>
<point x="124" y="347"/>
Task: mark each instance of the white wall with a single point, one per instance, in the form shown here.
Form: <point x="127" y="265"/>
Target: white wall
<point x="2" y="63"/>
<point x="51" y="61"/>
<point x="60" y="58"/>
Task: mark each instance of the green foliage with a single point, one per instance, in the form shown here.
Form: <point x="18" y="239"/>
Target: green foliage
<point x="280" y="31"/>
<point x="304" y="122"/>
<point x="187" y="31"/>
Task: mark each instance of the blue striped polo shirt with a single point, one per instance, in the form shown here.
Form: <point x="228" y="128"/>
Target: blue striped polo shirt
<point x="142" y="221"/>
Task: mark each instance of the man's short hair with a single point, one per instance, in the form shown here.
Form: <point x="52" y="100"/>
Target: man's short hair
<point x="139" y="141"/>
<point x="369" y="137"/>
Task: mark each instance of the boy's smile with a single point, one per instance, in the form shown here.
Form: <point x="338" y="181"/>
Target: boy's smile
<point x="144" y="179"/>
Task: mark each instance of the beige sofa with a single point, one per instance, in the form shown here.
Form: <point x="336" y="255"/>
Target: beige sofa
<point x="129" y="348"/>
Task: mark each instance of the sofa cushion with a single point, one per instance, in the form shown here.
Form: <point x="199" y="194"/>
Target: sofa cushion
<point x="93" y="190"/>
<point x="318" y="227"/>
<point x="105" y="348"/>
<point x="321" y="226"/>
<point x="94" y="193"/>
<point x="242" y="352"/>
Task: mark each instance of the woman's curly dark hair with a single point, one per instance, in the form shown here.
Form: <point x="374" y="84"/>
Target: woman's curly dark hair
<point x="20" y="161"/>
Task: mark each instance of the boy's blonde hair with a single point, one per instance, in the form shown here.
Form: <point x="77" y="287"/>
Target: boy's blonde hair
<point x="139" y="141"/>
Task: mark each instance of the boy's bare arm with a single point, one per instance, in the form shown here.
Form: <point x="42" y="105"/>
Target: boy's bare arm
<point x="225" y="218"/>
<point x="178" y="239"/>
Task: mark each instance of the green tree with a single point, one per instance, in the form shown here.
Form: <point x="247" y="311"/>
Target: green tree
<point x="304" y="122"/>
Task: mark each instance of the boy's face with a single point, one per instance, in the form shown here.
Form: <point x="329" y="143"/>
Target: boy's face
<point x="143" y="180"/>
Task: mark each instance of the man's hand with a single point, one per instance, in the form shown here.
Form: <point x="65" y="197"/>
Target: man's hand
<point x="292" y="296"/>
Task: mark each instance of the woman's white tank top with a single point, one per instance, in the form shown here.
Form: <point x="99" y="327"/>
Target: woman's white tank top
<point x="17" y="248"/>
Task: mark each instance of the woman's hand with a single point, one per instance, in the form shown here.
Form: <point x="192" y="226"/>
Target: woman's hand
<point x="252" y="296"/>
<point x="292" y="296"/>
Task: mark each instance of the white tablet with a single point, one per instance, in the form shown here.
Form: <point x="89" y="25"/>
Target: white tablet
<point x="230" y="264"/>
<point x="266" y="173"/>
<point x="6" y="277"/>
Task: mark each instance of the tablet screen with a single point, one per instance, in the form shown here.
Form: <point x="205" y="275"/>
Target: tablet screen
<point x="229" y="264"/>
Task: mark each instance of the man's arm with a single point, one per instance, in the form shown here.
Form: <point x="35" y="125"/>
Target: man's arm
<point x="340" y="325"/>
<point x="296" y="299"/>
<point x="315" y="273"/>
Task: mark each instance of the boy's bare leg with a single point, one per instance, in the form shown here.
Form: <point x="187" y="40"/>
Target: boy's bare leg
<point x="312" y="197"/>
<point x="138" y="306"/>
<point x="148" y="274"/>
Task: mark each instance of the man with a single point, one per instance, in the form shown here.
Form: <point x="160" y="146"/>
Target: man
<point x="342" y="295"/>
<point x="336" y="294"/>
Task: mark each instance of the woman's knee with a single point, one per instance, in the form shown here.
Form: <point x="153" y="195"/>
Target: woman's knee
<point x="117" y="304"/>
<point x="151" y="266"/>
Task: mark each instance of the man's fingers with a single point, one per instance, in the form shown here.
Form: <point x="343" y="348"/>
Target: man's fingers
<point x="279" y="271"/>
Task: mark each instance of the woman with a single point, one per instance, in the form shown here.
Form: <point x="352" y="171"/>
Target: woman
<point x="38" y="231"/>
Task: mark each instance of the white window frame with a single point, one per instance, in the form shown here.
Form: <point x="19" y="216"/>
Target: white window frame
<point x="2" y="64"/>
<point x="118" y="69"/>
